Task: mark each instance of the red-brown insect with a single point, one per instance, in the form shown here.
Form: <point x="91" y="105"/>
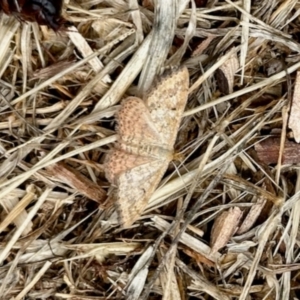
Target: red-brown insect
<point x="44" y="12"/>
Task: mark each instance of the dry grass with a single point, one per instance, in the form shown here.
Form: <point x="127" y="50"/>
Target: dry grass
<point x="222" y="224"/>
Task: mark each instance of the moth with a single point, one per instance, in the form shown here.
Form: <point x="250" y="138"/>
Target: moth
<point x="44" y="12"/>
<point x="147" y="130"/>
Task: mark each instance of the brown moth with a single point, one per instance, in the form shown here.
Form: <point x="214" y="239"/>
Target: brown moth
<point x="147" y="132"/>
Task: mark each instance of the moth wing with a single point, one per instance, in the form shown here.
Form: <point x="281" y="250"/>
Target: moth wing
<point x="135" y="125"/>
<point x="135" y="187"/>
<point x="118" y="161"/>
<point x="166" y="103"/>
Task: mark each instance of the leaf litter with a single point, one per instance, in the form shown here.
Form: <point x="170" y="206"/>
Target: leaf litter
<point x="222" y="222"/>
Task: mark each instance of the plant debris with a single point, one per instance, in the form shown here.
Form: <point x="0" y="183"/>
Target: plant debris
<point x="221" y="222"/>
